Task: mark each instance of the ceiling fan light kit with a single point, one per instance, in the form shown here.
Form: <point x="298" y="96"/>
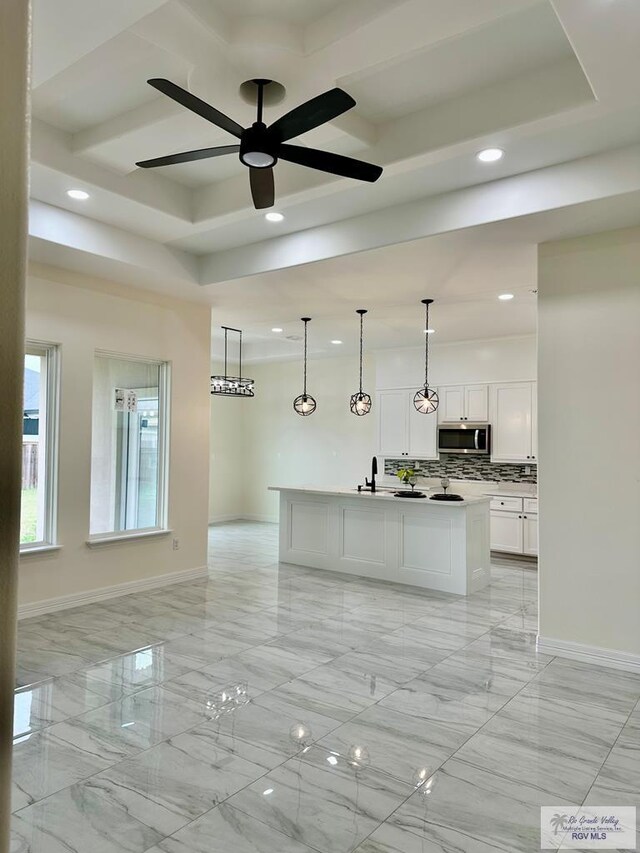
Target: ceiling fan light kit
<point x="261" y="146"/>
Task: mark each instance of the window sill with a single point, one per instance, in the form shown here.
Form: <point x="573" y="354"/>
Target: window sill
<point x="39" y="549"/>
<point x="99" y="541"/>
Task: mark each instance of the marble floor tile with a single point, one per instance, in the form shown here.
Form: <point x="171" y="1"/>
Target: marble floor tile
<point x="178" y="780"/>
<point x="461" y="696"/>
<point x="44" y="764"/>
<point x="122" y="729"/>
<point x="396" y="839"/>
<point x="331" y="692"/>
<point x="322" y="801"/>
<point x="262" y="667"/>
<point x="126" y="674"/>
<point x="407" y="748"/>
<point x="80" y="819"/>
<point x="272" y="724"/>
<point x="225" y="829"/>
<point x="538" y="757"/>
<point x="198" y="650"/>
<point x="461" y="807"/>
<point x="509" y="642"/>
<point x="364" y="664"/>
<point x="52" y="701"/>
<point x="586" y="684"/>
<point x="388" y="719"/>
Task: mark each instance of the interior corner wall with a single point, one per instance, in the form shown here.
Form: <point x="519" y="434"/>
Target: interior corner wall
<point x="228" y="455"/>
<point x="589" y="451"/>
<point x="331" y="447"/>
<point x="82" y="317"/>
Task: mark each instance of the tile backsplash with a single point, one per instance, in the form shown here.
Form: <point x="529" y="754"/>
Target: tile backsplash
<point x="461" y="467"/>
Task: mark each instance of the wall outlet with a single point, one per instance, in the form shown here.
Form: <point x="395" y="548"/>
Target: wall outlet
<point x="176" y="544"/>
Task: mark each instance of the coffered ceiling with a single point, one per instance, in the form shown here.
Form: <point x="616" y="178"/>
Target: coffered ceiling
<point x="552" y="82"/>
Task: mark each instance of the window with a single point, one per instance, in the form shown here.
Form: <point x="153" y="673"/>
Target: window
<point x="39" y="446"/>
<point x="129" y="446"/>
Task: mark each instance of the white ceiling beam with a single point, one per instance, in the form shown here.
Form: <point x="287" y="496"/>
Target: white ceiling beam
<point x="72" y="231"/>
<point x="606" y="39"/>
<point x="52" y="148"/>
<point x="153" y="112"/>
<point x="66" y="30"/>
<point x="590" y="178"/>
<point x="408" y="27"/>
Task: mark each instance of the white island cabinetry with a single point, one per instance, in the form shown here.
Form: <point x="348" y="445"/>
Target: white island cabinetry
<point x="425" y="543"/>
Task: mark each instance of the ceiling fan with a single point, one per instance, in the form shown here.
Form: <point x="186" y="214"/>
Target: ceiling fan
<point x="261" y="146"/>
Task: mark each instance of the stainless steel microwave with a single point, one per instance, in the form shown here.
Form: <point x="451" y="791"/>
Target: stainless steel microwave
<point x="464" y="438"/>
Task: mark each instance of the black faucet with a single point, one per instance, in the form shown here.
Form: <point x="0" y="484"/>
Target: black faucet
<point x="371" y="484"/>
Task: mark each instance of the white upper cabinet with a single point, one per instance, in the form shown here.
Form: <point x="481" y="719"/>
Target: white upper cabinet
<point x="513" y="422"/>
<point x="476" y="403"/>
<point x="423" y="432"/>
<point x="464" y="403"/>
<point x="403" y="431"/>
<point x="393" y="423"/>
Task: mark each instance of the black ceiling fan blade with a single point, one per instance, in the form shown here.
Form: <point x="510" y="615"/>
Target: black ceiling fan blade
<point x="196" y="105"/>
<point x="188" y="156"/>
<point x="313" y="113"/>
<point x="262" y="187"/>
<point x="325" y="161"/>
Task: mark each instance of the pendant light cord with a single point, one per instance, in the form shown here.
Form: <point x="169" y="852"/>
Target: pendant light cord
<point x="426" y="347"/>
<point x="225" y="352"/>
<point x="361" y="333"/>
<point x="305" y="358"/>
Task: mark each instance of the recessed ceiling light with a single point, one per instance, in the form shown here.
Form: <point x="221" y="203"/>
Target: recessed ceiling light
<point x="273" y="216"/>
<point x="490" y="155"/>
<point x="429" y="331"/>
<point x="276" y="330"/>
<point x="336" y="342"/>
<point x="79" y="195"/>
<point x="505" y="296"/>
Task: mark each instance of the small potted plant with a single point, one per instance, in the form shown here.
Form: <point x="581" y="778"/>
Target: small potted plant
<point x="407" y="477"/>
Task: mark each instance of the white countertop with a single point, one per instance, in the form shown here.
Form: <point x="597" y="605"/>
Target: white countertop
<point x="386" y="495"/>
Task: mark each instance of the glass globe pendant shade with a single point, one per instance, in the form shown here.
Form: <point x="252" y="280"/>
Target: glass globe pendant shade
<point x="360" y="404"/>
<point x="426" y="400"/>
<point x="304" y="405"/>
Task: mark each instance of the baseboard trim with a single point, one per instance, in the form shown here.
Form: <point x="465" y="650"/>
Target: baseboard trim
<point x="90" y="596"/>
<point x="221" y="519"/>
<point x="589" y="654"/>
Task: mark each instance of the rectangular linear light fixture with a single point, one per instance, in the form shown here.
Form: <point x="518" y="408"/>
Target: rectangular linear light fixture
<point x="232" y="386"/>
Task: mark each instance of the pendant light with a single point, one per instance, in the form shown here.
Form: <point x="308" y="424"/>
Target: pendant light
<point x="360" y="403"/>
<point x="426" y="399"/>
<point x="232" y="386"/>
<point x="305" y="405"/>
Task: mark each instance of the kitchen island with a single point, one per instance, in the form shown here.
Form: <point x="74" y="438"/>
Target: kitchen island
<point x="430" y="544"/>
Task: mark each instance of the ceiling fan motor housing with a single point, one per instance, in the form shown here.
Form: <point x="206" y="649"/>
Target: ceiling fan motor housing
<point x="258" y="147"/>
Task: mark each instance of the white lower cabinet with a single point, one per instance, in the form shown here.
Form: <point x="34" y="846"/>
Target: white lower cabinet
<point x="506" y="531"/>
<point x="514" y="526"/>
<point x="530" y="535"/>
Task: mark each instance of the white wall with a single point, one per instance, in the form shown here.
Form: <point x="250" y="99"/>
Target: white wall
<point x="82" y="315"/>
<point x="227" y="448"/>
<point x="494" y="360"/>
<point x="589" y="450"/>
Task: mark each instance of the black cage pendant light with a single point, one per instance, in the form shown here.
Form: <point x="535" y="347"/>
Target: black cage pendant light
<point x="305" y="405"/>
<point x="426" y="399"/>
<point x="232" y="386"/>
<point x="360" y="403"/>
